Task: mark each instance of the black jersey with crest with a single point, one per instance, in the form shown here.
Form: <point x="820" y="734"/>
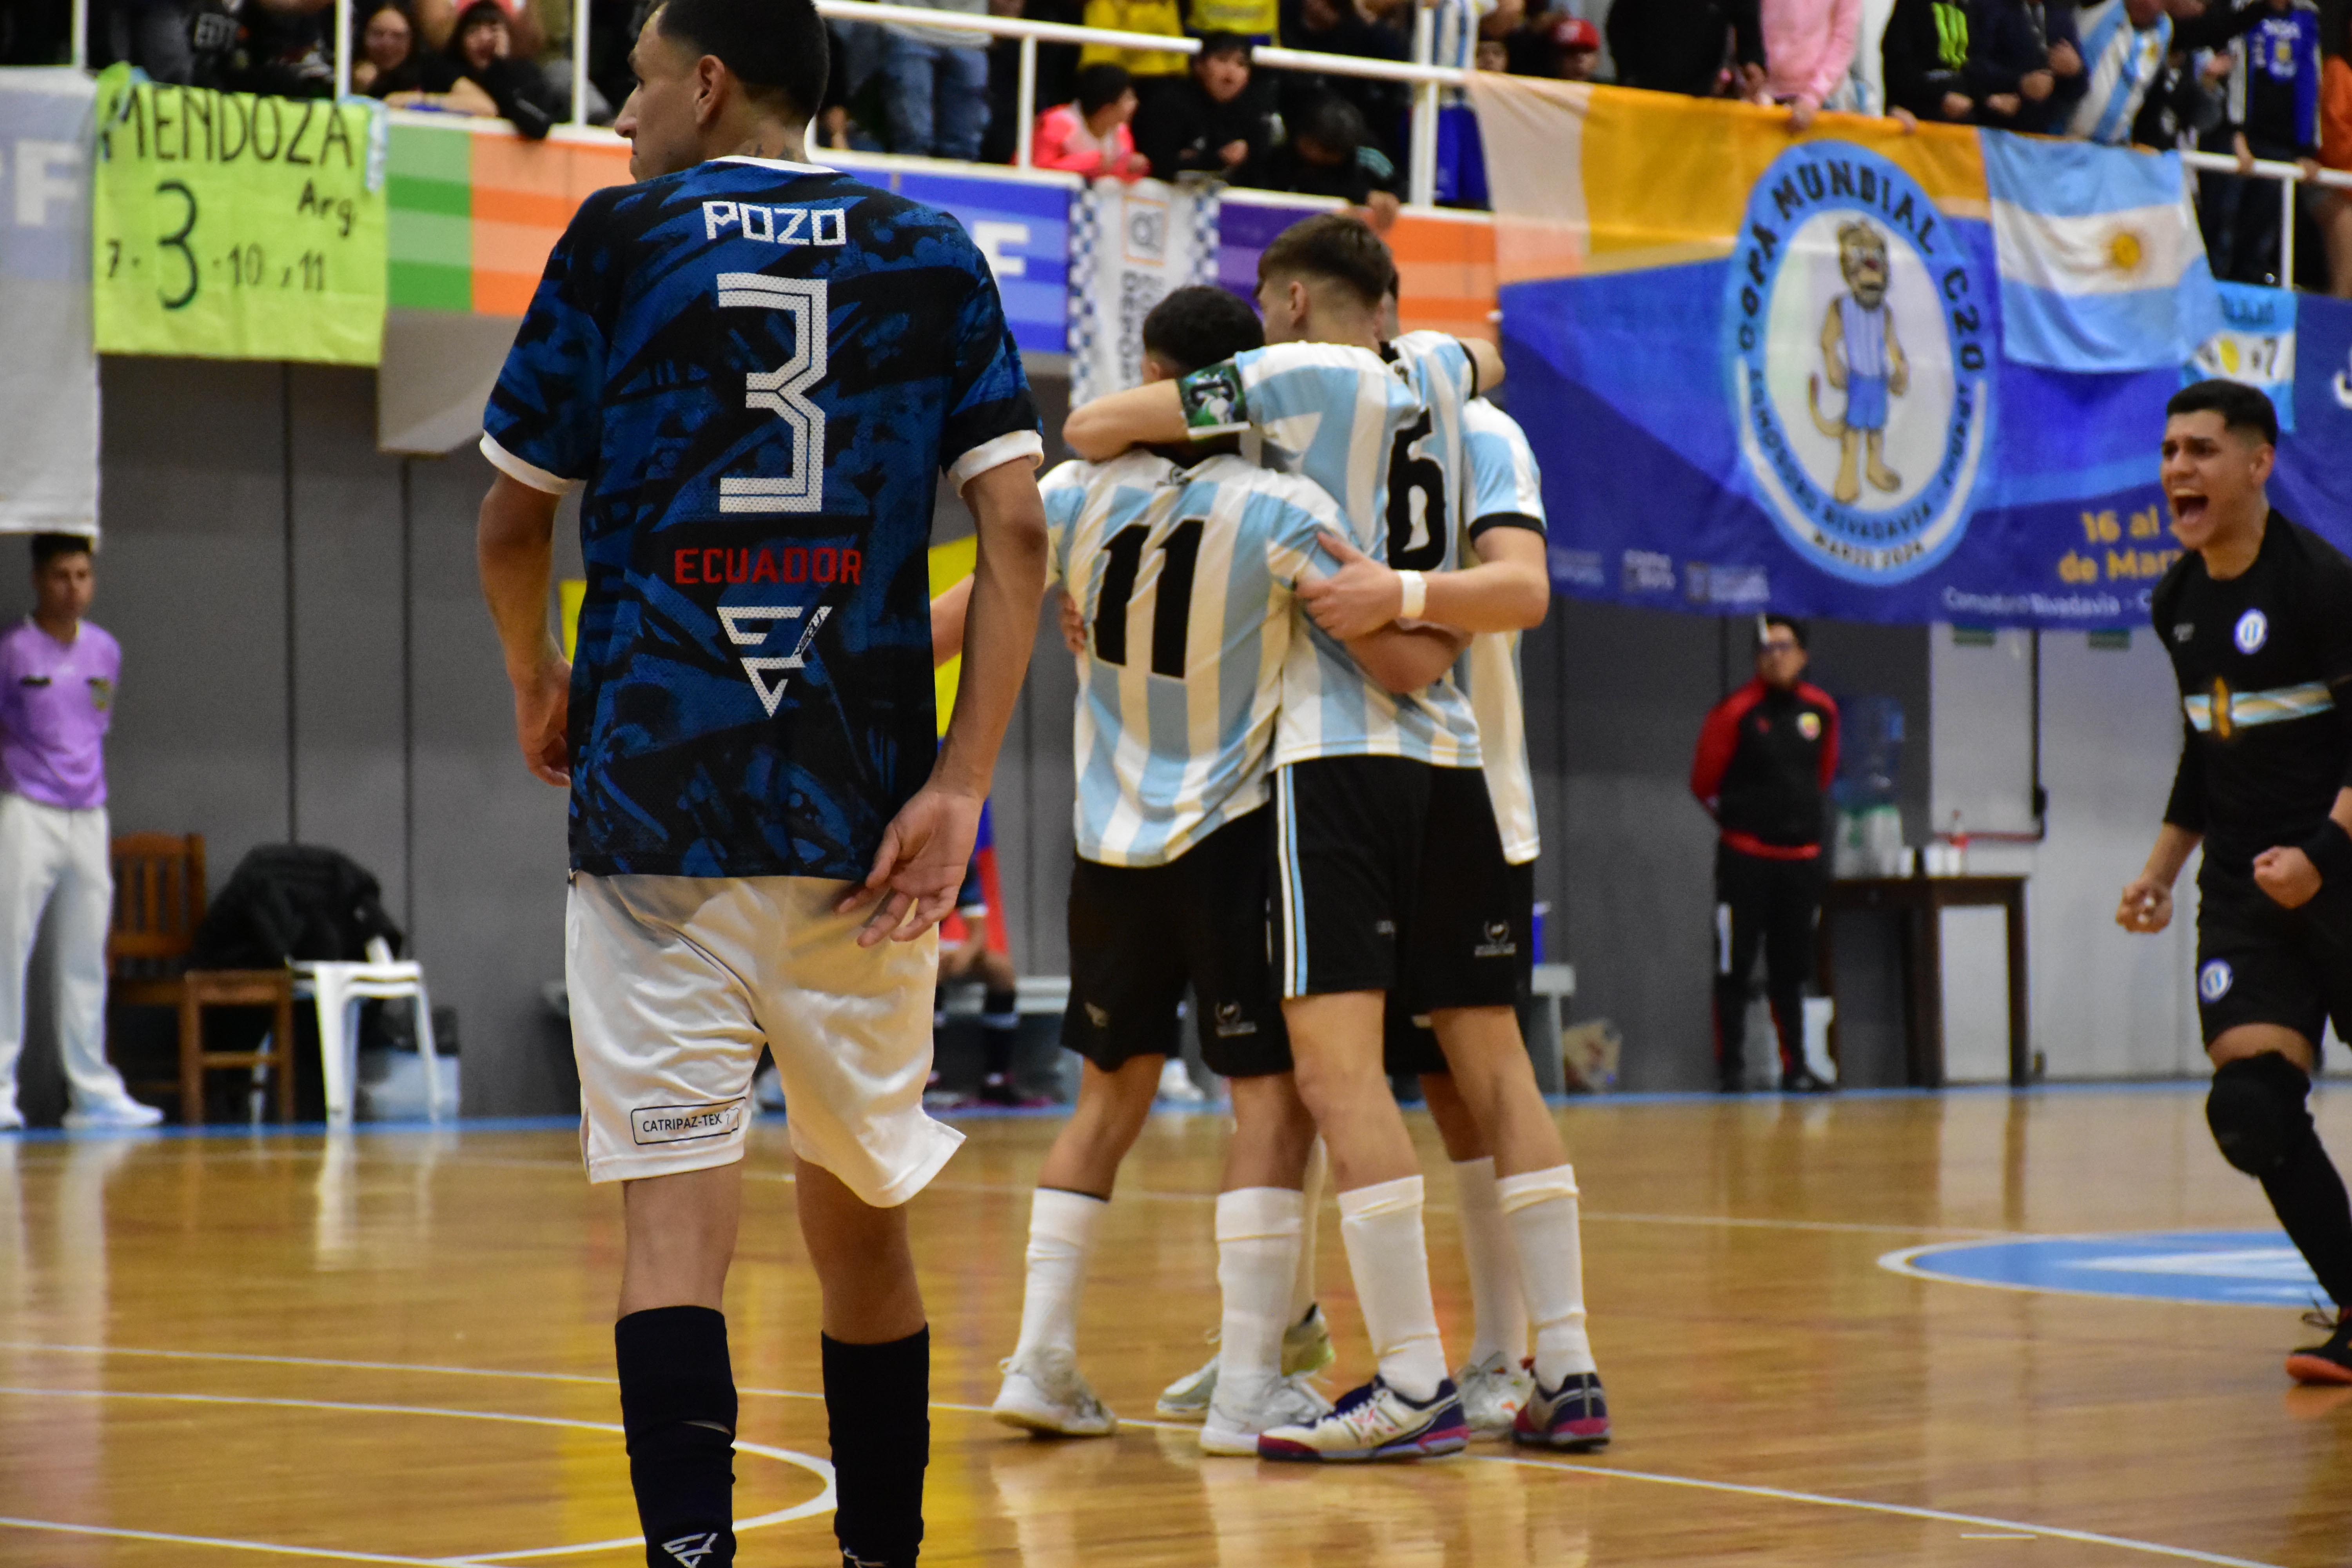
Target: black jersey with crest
<point x="2263" y="659"/>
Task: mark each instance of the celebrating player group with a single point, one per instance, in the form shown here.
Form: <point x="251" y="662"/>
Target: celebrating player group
<point x="1294" y="565"/>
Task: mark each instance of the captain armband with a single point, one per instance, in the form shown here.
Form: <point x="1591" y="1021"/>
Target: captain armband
<point x="2330" y="849"/>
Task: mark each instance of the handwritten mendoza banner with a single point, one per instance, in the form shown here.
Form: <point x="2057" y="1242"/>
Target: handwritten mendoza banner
<point x="230" y="226"/>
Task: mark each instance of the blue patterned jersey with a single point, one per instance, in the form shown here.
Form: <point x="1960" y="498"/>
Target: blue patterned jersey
<point x="756" y="369"/>
<point x="1185" y="578"/>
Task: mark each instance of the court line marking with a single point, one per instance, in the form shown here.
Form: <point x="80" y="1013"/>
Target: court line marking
<point x="222" y="1543"/>
<point x="2010" y="1528"/>
<point x="1783" y="1494"/>
<point x="1902" y="1261"/>
<point x="822" y="1504"/>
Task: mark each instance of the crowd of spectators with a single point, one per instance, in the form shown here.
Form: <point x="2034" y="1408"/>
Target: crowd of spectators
<point x="2252" y="80"/>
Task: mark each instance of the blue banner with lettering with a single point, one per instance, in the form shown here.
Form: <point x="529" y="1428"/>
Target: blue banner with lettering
<point x="1022" y="224"/>
<point x="1785" y="385"/>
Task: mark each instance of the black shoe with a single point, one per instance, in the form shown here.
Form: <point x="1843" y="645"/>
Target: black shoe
<point x="1801" y="1081"/>
<point x="1731" y="1083"/>
<point x="2328" y="1362"/>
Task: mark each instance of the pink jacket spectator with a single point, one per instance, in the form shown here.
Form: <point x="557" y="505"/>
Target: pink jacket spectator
<point x="1064" y="141"/>
<point x="1809" y="45"/>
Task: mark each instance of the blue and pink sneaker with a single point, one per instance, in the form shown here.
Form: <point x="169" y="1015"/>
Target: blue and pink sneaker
<point x="1374" y="1422"/>
<point x="1573" y="1417"/>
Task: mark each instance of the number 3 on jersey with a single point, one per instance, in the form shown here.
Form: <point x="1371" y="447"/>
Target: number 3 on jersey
<point x="1416" y="503"/>
<point x="1171" y="607"/>
<point x="783" y="392"/>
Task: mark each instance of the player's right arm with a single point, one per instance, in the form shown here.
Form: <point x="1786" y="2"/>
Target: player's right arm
<point x="2146" y="902"/>
<point x="515" y="547"/>
<point x="540" y="432"/>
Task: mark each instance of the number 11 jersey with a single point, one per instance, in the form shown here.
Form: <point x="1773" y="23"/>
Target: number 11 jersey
<point x="756" y="369"/>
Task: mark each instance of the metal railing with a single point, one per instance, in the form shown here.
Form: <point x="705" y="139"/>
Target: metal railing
<point x="1428" y="83"/>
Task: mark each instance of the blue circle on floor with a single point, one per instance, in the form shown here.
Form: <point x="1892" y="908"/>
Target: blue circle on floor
<point x="2229" y="1267"/>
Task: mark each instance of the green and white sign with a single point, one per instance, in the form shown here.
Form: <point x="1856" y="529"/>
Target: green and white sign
<point x="226" y="225"/>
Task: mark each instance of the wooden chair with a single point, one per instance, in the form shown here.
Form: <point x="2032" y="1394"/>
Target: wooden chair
<point x="159" y="902"/>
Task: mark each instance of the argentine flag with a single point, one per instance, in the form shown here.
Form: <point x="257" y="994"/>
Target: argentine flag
<point x="2102" y="268"/>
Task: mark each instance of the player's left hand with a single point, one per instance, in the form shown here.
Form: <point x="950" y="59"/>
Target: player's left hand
<point x="2287" y="875"/>
<point x="1356" y="601"/>
<point x="920" y="868"/>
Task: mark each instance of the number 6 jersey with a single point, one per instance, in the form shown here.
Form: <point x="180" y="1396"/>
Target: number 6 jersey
<point x="1382" y="435"/>
<point x="755" y="369"/>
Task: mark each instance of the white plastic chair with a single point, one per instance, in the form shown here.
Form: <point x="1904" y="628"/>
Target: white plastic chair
<point x="339" y="989"/>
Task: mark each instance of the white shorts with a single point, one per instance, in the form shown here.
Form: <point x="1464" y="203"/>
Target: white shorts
<point x="677" y="982"/>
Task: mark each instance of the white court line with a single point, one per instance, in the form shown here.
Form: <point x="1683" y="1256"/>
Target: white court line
<point x="1903" y="1261"/>
<point x="224" y="1543"/>
<point x="822" y="1504"/>
<point x="2009" y="1529"/>
<point x="1781" y="1494"/>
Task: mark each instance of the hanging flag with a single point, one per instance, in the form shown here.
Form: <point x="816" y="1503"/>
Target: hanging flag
<point x="2102" y="266"/>
<point x="48" y="404"/>
<point x="2255" y="345"/>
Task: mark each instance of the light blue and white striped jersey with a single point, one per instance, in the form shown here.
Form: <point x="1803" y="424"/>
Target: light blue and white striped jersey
<point x="1382" y="435"/>
<point x="2119" y="61"/>
<point x="1185" y="577"/>
<point x="1506" y="490"/>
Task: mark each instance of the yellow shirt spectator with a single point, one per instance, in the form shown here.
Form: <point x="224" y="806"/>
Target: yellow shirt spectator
<point x="1160" y="16"/>
<point x="1255" y="20"/>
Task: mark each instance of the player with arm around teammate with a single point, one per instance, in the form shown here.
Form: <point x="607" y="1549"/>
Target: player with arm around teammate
<point x="756" y="365"/>
<point x="1182" y="569"/>
<point x="1377" y="423"/>
<point x="1517" y="1193"/>
<point x="2257" y="616"/>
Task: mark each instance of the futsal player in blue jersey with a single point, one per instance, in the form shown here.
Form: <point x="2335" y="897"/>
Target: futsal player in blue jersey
<point x="1365" y="782"/>
<point x="755" y="367"/>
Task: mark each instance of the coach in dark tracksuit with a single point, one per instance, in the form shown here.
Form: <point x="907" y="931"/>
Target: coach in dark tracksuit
<point x="1766" y="754"/>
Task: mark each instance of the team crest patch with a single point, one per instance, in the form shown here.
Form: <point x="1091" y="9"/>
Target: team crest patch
<point x="1212" y="400"/>
<point x="1856" y="335"/>
<point x="1498" y="943"/>
<point x="684" y="1123"/>
<point x="1231" y="1025"/>
<point x="2253" y="630"/>
<point x="2214" y="980"/>
<point x="101" y="693"/>
<point x="1808" y="725"/>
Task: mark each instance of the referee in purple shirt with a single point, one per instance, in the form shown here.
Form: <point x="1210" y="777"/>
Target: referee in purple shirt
<point x="58" y="674"/>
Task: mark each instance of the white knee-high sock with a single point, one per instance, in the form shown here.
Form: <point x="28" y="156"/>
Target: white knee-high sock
<point x="1061" y="1233"/>
<point x="1494" y="1265"/>
<point x="1257" y="1235"/>
<point x="1389" y="1256"/>
<point x="1541" y="1208"/>
<point x="1310" y="1201"/>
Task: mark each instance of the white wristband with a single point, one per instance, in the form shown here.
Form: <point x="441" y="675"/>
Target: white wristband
<point x="1416" y="595"/>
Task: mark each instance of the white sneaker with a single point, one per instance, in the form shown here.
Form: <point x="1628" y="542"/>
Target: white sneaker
<point x="1374" y="1422"/>
<point x="1176" y="1084"/>
<point x="1306" y="1348"/>
<point x="1492" y="1395"/>
<point x="1288" y="1401"/>
<point x="11" y="1119"/>
<point x="1047" y="1394"/>
<point x="112" y="1115"/>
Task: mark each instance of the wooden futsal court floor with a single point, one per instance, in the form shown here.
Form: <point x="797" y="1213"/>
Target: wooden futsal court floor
<point x="395" y="1348"/>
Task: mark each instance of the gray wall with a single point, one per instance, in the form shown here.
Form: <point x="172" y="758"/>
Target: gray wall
<point x="377" y="719"/>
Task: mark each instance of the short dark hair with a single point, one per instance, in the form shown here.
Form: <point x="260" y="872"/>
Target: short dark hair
<point x="480" y="11"/>
<point x="48" y="547"/>
<point x="1216" y="44"/>
<point x="1770" y="619"/>
<point x="1100" y="87"/>
<point x="2241" y="407"/>
<point x="1199" y="325"/>
<point x="775" y="48"/>
<point x="1334" y="124"/>
<point x="1332" y="248"/>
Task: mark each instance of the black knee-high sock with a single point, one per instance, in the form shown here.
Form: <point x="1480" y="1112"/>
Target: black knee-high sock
<point x="2308" y="1197"/>
<point x="877" y="1401"/>
<point x="678" y="1408"/>
<point x="999" y="1027"/>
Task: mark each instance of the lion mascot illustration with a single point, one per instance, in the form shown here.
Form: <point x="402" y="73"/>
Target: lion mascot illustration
<point x="1863" y="361"/>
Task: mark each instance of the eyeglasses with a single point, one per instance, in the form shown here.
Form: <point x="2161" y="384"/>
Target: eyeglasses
<point x="1778" y="647"/>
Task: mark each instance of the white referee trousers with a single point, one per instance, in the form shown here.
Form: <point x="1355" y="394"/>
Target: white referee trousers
<point x="55" y="859"/>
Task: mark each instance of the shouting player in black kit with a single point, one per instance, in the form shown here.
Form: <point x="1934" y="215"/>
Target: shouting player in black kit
<point x="758" y="367"/>
<point x="2258" y="618"/>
